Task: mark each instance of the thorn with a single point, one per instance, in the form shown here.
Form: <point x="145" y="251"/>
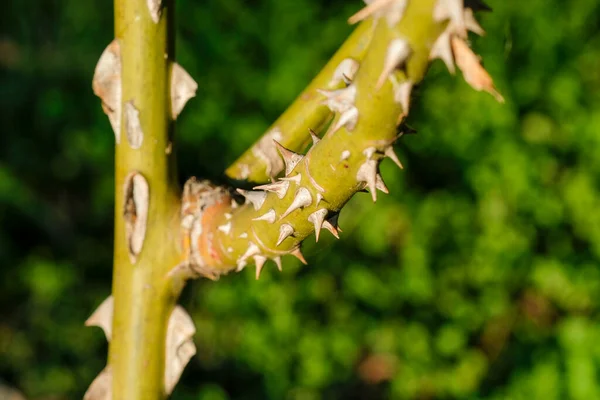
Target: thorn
<point x="334" y="231"/>
<point x="391" y="154"/>
<point x="345" y="155"/>
<point x="285" y="231"/>
<point x="397" y="53"/>
<point x="290" y="158"/>
<point x="183" y="87"/>
<point x="348" y="118"/>
<point x="269" y="217"/>
<point x="442" y="49"/>
<point x="345" y="71"/>
<point x="342" y="102"/>
<point x="402" y="93"/>
<point x="240" y="265"/>
<point x="243" y="235"/>
<point x="250" y="252"/>
<point x="472" y="24"/>
<point x="403" y="96"/>
<point x="369" y="151"/>
<point x="339" y="100"/>
<point x="368" y="173"/>
<point x="313" y="135"/>
<point x="317" y="219"/>
<point x="267" y="152"/>
<point x="280" y="188"/>
<point x="296" y="178"/>
<point x="257" y="198"/>
<point x="298" y="254"/>
<point x="393" y="10"/>
<point x="302" y="199"/>
<point x="334" y="221"/>
<point x="368" y="10"/>
<point x="259" y="260"/>
<point x="278" y="263"/>
<point x="228" y="215"/>
<point x="234" y="204"/>
<point x="225" y="228"/>
<point x="473" y="73"/>
<point x="380" y="184"/>
<point x="319" y="198"/>
<point x="452" y="10"/>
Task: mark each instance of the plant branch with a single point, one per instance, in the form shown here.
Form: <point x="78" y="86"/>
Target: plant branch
<point x="280" y="215"/>
<point x="143" y="298"/>
<point x="261" y="161"/>
<point x="162" y="238"/>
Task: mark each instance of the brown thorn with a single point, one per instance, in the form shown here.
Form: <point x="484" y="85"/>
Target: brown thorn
<point x="298" y="254"/>
<point x="259" y="260"/>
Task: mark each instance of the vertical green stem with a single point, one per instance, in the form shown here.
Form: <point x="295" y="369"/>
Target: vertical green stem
<point x="143" y="297"/>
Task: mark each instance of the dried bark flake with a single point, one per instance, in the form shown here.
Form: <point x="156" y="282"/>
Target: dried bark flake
<point x="136" y="203"/>
<point x="135" y="134"/>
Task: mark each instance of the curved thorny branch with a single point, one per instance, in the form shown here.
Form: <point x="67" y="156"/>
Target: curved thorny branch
<point x="278" y="216"/>
<point x="351" y="113"/>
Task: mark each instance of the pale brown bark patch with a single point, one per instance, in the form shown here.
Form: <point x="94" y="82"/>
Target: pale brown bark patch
<point x="136" y="204"/>
<point x="133" y="127"/>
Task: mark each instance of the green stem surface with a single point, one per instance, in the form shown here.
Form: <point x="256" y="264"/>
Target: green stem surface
<point x="143" y="298"/>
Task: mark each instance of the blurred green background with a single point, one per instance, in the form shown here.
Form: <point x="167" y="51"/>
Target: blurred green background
<point x="477" y="278"/>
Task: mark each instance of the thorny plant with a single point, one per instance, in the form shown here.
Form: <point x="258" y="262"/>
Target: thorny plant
<point x="352" y="114"/>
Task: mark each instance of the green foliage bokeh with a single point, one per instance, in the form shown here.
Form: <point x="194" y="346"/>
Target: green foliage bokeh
<point x="477" y="278"/>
